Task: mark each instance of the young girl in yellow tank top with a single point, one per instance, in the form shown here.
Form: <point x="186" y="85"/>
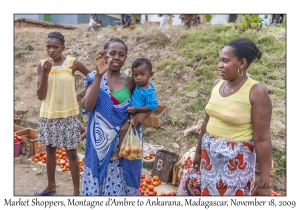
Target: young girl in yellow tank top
<point x="58" y="125"/>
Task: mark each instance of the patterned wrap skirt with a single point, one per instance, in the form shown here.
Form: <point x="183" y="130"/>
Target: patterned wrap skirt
<point x="62" y="132"/>
<point x="227" y="167"/>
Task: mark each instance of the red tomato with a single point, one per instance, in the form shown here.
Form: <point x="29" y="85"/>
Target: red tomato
<point x="155" y="183"/>
<point x="63" y="153"/>
<point x="36" y="155"/>
<point x="151" y="188"/>
<point x="151" y="194"/>
<point x="148" y="180"/>
<point x="19" y="138"/>
<point x="42" y="153"/>
<point x="155" y="178"/>
<point x="145" y="184"/>
<point x="142" y="192"/>
<point x="142" y="176"/>
<point x="147" y="192"/>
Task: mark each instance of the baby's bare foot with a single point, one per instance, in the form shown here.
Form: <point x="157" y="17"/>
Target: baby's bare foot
<point x="115" y="155"/>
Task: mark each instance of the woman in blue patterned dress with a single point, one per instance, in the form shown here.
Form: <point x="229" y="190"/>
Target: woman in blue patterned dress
<point x="108" y="96"/>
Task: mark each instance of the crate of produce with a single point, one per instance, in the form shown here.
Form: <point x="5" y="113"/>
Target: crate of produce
<point x="157" y="117"/>
<point x="29" y="143"/>
<point x="18" y="128"/>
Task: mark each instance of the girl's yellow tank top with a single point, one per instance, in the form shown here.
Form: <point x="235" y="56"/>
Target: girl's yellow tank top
<point x="60" y="101"/>
<point x="230" y="117"/>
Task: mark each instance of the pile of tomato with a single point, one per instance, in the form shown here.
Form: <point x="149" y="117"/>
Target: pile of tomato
<point x="17" y="138"/>
<point x="37" y="157"/>
<point x="171" y="193"/>
<point x="149" y="157"/>
<point x="147" y="185"/>
<point x="62" y="159"/>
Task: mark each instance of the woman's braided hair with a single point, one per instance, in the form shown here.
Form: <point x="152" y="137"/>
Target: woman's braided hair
<point x="57" y="35"/>
<point x="112" y="40"/>
<point x="245" y="48"/>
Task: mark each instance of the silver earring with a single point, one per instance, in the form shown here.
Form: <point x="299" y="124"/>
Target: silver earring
<point x="239" y="73"/>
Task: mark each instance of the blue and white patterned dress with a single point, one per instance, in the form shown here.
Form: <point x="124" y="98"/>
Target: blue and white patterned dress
<point x="101" y="176"/>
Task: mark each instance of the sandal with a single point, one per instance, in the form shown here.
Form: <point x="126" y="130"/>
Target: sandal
<point x="41" y="193"/>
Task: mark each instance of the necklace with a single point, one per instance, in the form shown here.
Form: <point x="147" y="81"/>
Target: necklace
<point x="233" y="88"/>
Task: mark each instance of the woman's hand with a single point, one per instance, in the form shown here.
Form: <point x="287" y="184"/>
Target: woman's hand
<point x="138" y="119"/>
<point x="47" y="66"/>
<point x="132" y="110"/>
<point x="264" y="191"/>
<point x="196" y="161"/>
<point x="102" y="62"/>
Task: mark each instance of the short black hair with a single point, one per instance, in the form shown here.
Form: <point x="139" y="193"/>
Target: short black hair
<point x="112" y="40"/>
<point x="57" y="35"/>
<point x="141" y="61"/>
<point x="245" y="48"/>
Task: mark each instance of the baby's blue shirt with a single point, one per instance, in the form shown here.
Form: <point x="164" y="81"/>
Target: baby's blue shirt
<point x="145" y="97"/>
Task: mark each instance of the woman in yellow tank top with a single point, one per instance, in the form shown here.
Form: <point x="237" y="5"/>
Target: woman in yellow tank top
<point x="58" y="125"/>
<point x="236" y="129"/>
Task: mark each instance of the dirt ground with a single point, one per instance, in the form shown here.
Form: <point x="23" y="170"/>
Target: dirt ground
<point x="28" y="179"/>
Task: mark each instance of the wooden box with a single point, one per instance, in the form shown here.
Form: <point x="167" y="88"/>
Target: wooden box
<point x="163" y="165"/>
<point x="176" y="176"/>
<point x="157" y="117"/>
<point x="18" y="128"/>
<point x="29" y="142"/>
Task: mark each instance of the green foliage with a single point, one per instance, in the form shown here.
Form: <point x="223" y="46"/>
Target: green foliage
<point x="17" y="96"/>
<point x="280" y="160"/>
<point x="251" y="21"/>
<point x="207" y="17"/>
<point x="192" y="85"/>
<point x="197" y="105"/>
<point x="19" y="54"/>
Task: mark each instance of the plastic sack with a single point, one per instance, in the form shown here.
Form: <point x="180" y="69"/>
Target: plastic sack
<point x="131" y="147"/>
<point x="190" y="183"/>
